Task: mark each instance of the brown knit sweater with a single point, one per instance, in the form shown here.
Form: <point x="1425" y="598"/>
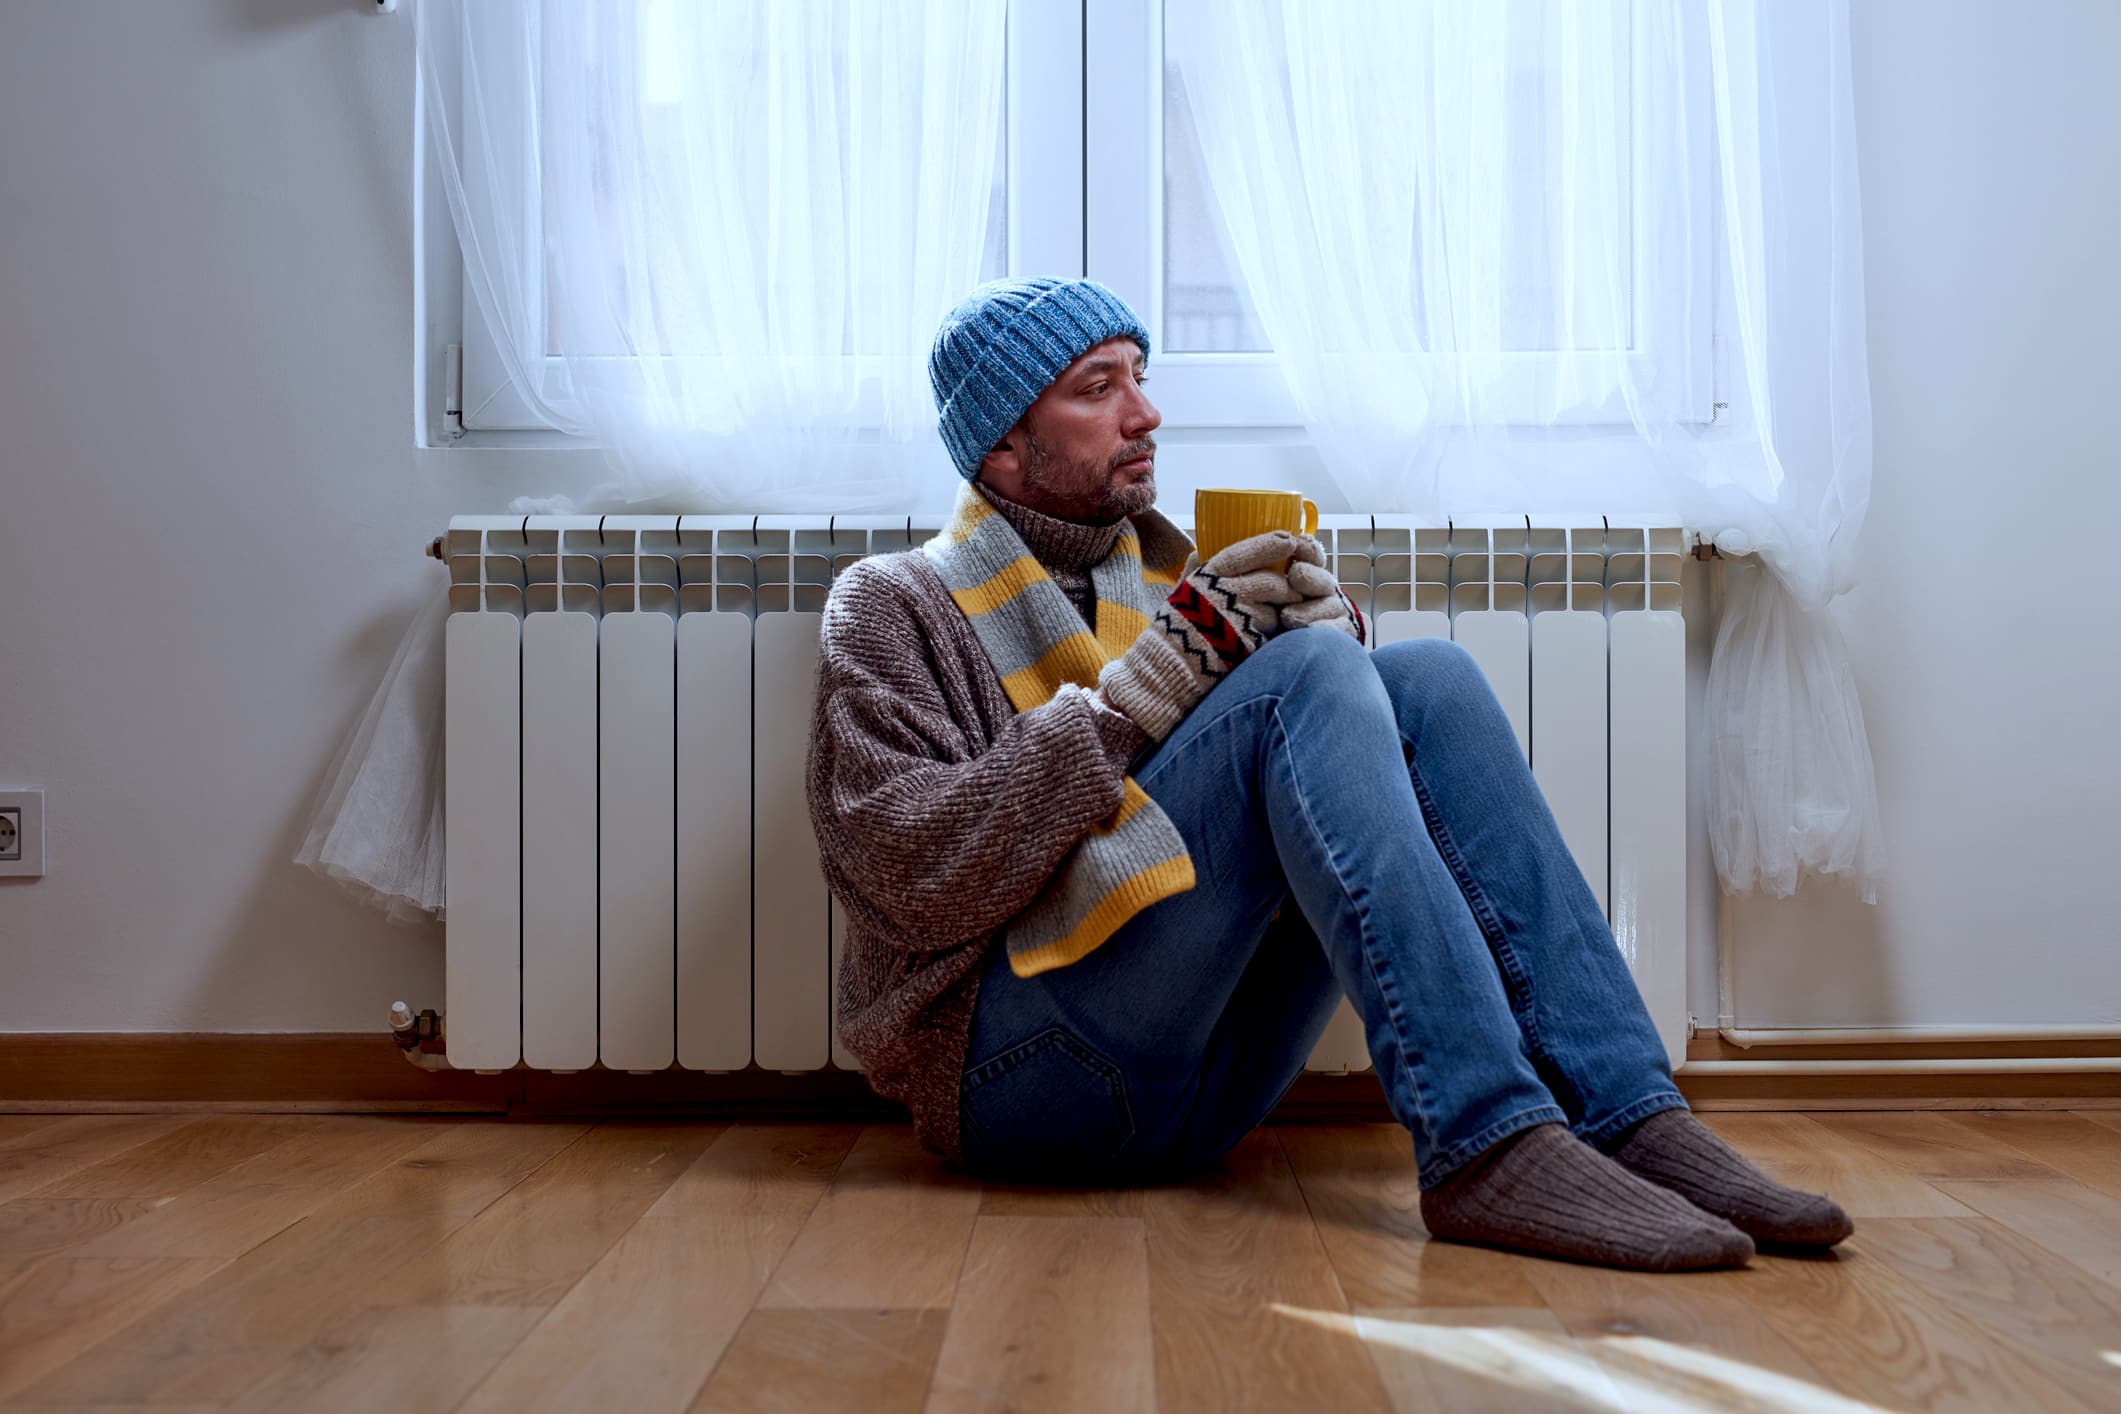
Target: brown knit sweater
<point x="941" y="811"/>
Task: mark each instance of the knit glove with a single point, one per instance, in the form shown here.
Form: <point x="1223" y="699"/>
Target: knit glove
<point x="1324" y="602"/>
<point x="1217" y="615"/>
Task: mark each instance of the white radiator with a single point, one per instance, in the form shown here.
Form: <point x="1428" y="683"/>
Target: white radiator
<point x="632" y="878"/>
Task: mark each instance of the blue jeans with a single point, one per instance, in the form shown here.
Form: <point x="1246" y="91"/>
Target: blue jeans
<point x="1361" y="825"/>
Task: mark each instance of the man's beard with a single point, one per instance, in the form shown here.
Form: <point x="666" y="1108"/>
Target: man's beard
<point x="1083" y="490"/>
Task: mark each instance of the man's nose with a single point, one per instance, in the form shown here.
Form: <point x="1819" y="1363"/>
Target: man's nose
<point x="1142" y="417"/>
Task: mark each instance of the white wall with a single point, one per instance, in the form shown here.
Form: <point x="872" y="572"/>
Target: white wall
<point x="1984" y="633"/>
<point x="211" y="513"/>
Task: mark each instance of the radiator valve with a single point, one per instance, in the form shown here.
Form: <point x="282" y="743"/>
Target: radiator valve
<point x="409" y="1030"/>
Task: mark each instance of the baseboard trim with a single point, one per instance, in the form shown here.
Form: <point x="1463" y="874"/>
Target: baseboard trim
<point x="114" y="1072"/>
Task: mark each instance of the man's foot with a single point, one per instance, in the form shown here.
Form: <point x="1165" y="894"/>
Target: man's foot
<point x="1544" y="1190"/>
<point x="1677" y="1151"/>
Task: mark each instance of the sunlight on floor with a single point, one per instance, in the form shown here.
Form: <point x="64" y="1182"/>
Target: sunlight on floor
<point x="1425" y="1355"/>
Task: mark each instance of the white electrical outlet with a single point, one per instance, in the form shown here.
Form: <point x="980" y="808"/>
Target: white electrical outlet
<point x="21" y="834"/>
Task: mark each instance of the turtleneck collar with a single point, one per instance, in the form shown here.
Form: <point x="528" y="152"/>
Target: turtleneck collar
<point x="1057" y="544"/>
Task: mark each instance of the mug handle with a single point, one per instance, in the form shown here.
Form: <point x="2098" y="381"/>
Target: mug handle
<point x="1310" y="516"/>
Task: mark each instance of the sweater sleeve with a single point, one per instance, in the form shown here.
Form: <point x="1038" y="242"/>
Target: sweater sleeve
<point x="943" y="840"/>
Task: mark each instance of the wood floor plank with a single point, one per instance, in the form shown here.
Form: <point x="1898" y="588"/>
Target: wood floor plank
<point x="2078" y="1224"/>
<point x="825" y="1361"/>
<point x="760" y="1170"/>
<point x="1686" y="1342"/>
<point x="535" y="1241"/>
<point x="459" y="1168"/>
<point x="231" y="1331"/>
<point x="1052" y="1313"/>
<point x="2070" y="1144"/>
<point x="1360" y="1185"/>
<point x="248" y="1203"/>
<point x="1011" y="1200"/>
<point x="1434" y="1360"/>
<point x="33" y="1228"/>
<point x="61" y="1306"/>
<point x="406" y="1359"/>
<point x="136" y="1182"/>
<point x="2041" y="1306"/>
<point x="45" y="1153"/>
<point x="889" y="1233"/>
<point x="15" y="1126"/>
<point x="1248" y="1313"/>
<point x="1882" y="1338"/>
<point x="1796" y="1150"/>
<point x="1931" y="1145"/>
<point x="187" y="1240"/>
<point x="172" y="1162"/>
<point x="2111" y="1119"/>
<point x="259" y="1311"/>
<point x="645" y="1326"/>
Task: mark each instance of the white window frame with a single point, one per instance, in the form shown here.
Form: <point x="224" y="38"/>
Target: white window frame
<point x="1045" y="193"/>
<point x="1073" y="211"/>
<point x="1123" y="210"/>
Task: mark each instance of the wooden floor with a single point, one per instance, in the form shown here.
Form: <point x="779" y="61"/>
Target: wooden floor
<point x="295" y="1262"/>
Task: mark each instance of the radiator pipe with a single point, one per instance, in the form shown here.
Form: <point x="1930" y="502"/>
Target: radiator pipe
<point x="419" y="1037"/>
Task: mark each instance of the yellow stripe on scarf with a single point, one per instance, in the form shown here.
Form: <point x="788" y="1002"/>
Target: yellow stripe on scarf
<point x="1118" y="625"/>
<point x="971" y="510"/>
<point x="1076" y="658"/>
<point x="1001" y="588"/>
<point x="1152" y="885"/>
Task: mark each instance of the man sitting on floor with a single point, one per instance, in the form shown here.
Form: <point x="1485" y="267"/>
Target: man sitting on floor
<point x="1115" y="831"/>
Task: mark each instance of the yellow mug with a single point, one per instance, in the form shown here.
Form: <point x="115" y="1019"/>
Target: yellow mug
<point x="1222" y="516"/>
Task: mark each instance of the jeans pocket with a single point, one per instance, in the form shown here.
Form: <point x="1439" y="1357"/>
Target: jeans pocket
<point x="1050" y="1106"/>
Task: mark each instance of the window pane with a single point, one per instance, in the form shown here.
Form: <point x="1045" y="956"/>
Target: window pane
<point x="1206" y="309"/>
<point x="1543" y="200"/>
<point x="994" y="264"/>
<point x="661" y="43"/>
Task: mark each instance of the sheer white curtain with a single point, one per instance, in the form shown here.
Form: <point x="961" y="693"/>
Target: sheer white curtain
<point x="716" y="235"/>
<point x="376" y="827"/>
<point x="1583" y="257"/>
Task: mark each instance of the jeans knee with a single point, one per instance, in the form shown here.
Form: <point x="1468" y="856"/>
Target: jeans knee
<point x="1319" y="653"/>
<point x="1419" y="668"/>
<point x="1324" y="665"/>
<point x="1427" y="675"/>
<point x="1319" y="645"/>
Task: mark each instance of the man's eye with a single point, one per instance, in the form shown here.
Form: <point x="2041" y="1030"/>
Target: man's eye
<point x="1098" y="387"/>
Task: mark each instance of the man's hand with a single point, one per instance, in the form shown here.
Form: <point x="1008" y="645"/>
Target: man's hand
<point x="1217" y="616"/>
<point x="1322" y="602"/>
<point x="1233" y="602"/>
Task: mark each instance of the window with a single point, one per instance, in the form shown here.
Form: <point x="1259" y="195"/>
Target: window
<point x="661" y="42"/>
<point x="1101" y="170"/>
<point x="1156" y="233"/>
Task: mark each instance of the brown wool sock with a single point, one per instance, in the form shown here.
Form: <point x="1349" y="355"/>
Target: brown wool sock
<point x="1677" y="1151"/>
<point x="1544" y="1190"/>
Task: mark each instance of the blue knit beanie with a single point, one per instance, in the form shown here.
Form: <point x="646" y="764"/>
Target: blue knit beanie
<point x="997" y="351"/>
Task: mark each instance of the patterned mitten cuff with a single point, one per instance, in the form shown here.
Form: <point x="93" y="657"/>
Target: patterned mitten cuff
<point x="1216" y="617"/>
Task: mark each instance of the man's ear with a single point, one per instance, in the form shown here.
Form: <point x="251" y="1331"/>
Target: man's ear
<point x="1005" y="458"/>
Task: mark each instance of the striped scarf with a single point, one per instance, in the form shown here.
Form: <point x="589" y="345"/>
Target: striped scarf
<point x="1035" y="640"/>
